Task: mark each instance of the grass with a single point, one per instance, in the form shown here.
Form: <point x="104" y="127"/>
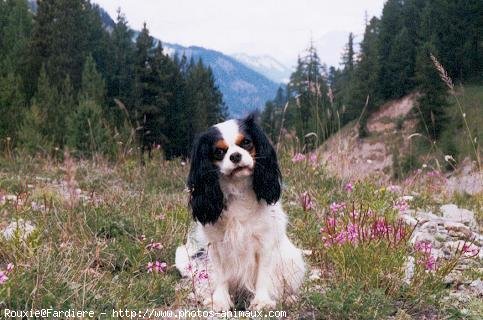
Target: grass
<point x="94" y="221"/>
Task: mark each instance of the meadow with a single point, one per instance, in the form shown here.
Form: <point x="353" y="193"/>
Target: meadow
<point x="99" y="235"/>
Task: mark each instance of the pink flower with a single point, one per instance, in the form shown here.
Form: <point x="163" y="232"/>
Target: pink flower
<point x="298" y="157"/>
<point x="10" y="267"/>
<point x="313" y="159"/>
<point x="394" y="189"/>
<point x="157" y="266"/>
<point x="352" y="232"/>
<point x="154" y="246"/>
<point x="423" y="247"/>
<point x="401" y="205"/>
<point x="161" y="216"/>
<point x="3" y="277"/>
<point x="160" y="266"/>
<point x="203" y="275"/>
<point x="430" y="263"/>
<point x="473" y="251"/>
<point x="331" y="222"/>
<point x="336" y="207"/>
<point x="142" y="237"/>
<point x="349" y="187"/>
<point x="306" y="201"/>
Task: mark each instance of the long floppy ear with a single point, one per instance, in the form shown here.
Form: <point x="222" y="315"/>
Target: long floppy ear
<point x="266" y="175"/>
<point x="206" y="200"/>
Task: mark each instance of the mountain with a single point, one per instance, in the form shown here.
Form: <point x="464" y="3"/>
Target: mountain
<point x="266" y="65"/>
<point x="244" y="88"/>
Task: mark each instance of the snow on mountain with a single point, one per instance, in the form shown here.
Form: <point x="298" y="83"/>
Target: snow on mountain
<point x="266" y="65"/>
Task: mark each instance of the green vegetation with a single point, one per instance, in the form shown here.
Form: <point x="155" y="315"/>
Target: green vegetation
<point x="67" y="82"/>
<point x="98" y="225"/>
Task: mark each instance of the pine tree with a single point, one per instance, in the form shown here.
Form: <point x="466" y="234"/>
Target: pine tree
<point x="12" y="107"/>
<point x="88" y="134"/>
<point x="120" y="81"/>
<point x="433" y="99"/>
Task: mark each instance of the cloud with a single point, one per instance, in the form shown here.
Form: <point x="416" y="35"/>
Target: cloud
<point x="281" y="29"/>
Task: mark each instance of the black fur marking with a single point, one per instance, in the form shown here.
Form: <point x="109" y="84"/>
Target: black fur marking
<point x="206" y="199"/>
<point x="266" y="175"/>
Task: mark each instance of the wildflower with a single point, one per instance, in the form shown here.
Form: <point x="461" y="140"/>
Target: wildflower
<point x="401" y="205"/>
<point x="430" y="263"/>
<point x="161" y="216"/>
<point x="349" y="187"/>
<point x="306" y="201"/>
<point x="331" y="222"/>
<point x="313" y="158"/>
<point x="154" y="246"/>
<point x="298" y="157"/>
<point x="10" y="267"/>
<point x="394" y="189"/>
<point x="202" y="275"/>
<point x="471" y="250"/>
<point x="3" y="277"/>
<point x="352" y="232"/>
<point x="150" y="267"/>
<point x="142" y="237"/>
<point x="337" y="207"/>
<point x="160" y="266"/>
<point x="424" y="247"/>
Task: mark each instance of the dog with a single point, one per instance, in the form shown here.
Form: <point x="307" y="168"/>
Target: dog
<point x="235" y="188"/>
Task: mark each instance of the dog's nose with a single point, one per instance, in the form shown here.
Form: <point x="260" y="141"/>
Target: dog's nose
<point x="235" y="157"/>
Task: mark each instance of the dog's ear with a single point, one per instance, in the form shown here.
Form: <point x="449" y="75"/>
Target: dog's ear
<point x="266" y="175"/>
<point x="206" y="199"/>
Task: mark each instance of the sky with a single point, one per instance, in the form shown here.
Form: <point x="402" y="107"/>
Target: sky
<point x="282" y="29"/>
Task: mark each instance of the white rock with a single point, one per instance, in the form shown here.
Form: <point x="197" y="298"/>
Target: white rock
<point x="423" y="217"/>
<point x="452" y="213"/>
<point x="409" y="269"/>
<point x="315" y="274"/>
<point x="23" y="227"/>
<point x="408" y="219"/>
<point x="477" y="287"/>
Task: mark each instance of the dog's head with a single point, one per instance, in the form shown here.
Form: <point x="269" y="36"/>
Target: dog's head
<point x="232" y="150"/>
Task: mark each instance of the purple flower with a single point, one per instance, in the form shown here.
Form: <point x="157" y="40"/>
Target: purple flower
<point x="337" y="207"/>
<point x="10" y="267"/>
<point x="401" y="205"/>
<point x="349" y="187"/>
<point x="298" y="157"/>
<point x="430" y="263"/>
<point x="313" y="159"/>
<point x="154" y="246"/>
<point x="3" y="277"/>
<point x="150" y="267"/>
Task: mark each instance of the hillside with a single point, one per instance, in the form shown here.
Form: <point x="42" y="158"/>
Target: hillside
<point x="393" y="144"/>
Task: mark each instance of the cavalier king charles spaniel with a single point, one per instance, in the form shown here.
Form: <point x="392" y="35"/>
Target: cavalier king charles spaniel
<point x="235" y="187"/>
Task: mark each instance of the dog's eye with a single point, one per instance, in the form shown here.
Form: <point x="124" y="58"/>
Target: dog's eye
<point x="219" y="153"/>
<point x="246" y="144"/>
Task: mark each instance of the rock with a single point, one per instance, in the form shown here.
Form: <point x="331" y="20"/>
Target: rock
<point x="315" y="274"/>
<point x="424" y="217"/>
<point x="409" y="266"/>
<point x="23" y="227"/>
<point x="477" y="287"/>
<point x="408" y="219"/>
<point x="452" y="213"/>
<point x="457" y="229"/>
<point x="419" y="236"/>
<point x="471" y="250"/>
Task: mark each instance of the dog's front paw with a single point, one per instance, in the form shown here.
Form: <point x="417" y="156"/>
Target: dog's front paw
<point x="262" y="303"/>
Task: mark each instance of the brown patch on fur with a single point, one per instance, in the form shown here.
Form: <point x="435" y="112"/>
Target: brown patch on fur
<point x="239" y="139"/>
<point x="221" y="144"/>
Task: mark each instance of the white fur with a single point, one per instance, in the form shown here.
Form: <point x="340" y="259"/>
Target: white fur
<point x="248" y="248"/>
